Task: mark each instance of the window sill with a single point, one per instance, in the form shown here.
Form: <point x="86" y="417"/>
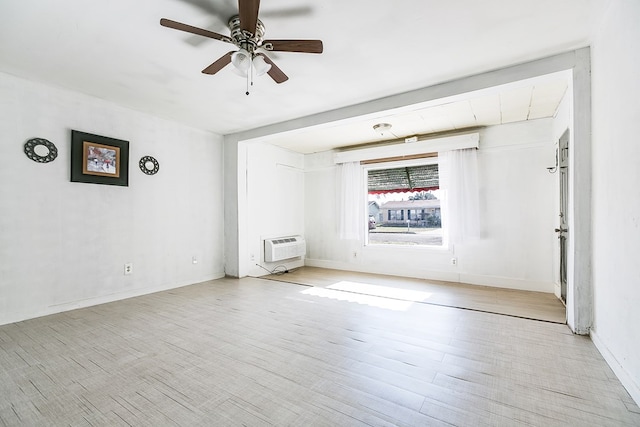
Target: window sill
<point x="407" y="248"/>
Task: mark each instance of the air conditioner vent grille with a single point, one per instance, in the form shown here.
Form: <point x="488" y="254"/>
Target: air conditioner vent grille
<point x="281" y="241"/>
<point x="284" y="248"/>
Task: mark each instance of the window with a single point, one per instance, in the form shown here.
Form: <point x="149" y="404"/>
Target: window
<point x="395" y="214"/>
<point x="407" y="196"/>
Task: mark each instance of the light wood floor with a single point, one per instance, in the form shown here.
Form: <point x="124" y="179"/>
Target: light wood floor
<point x="260" y="352"/>
<point x="530" y="305"/>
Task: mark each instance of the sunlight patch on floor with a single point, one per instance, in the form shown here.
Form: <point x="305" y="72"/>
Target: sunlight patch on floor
<point x="381" y="291"/>
<point x="372" y="301"/>
<point x="372" y="295"/>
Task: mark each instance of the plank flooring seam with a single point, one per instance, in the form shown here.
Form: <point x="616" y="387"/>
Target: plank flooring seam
<point x="275" y="279"/>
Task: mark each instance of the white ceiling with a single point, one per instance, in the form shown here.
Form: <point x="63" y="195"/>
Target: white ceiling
<point x="116" y="50"/>
<point x="519" y="101"/>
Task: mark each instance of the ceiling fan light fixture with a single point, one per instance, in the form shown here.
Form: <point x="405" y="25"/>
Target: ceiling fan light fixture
<point x="261" y="66"/>
<point x="241" y="60"/>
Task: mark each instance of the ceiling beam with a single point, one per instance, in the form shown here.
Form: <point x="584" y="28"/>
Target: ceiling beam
<point x="451" y="90"/>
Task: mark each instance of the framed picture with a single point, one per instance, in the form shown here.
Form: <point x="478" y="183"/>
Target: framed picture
<point x="98" y="159"/>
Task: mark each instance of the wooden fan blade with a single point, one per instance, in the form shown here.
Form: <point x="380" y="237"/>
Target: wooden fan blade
<point x="305" y="46"/>
<point x="193" y="30"/>
<point x="275" y="73"/>
<point x="219" y="64"/>
<point x="248" y="12"/>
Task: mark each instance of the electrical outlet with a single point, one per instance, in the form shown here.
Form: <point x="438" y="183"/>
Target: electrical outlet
<point x="194" y="259"/>
<point x="454" y="261"/>
<point x="128" y="268"/>
<point x="252" y="257"/>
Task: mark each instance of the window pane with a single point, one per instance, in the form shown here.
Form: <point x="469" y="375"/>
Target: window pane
<point x="406" y="202"/>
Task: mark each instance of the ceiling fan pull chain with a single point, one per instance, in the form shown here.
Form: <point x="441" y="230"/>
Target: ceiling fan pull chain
<point x="248" y="77"/>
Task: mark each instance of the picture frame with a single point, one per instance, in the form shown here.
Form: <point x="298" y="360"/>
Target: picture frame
<point x="97" y="159"/>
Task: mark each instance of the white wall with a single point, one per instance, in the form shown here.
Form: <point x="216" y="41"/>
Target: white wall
<point x="275" y="201"/>
<point x="64" y="244"/>
<point x="517" y="201"/>
<point x="517" y="209"/>
<point x="616" y="197"/>
<point x="236" y="251"/>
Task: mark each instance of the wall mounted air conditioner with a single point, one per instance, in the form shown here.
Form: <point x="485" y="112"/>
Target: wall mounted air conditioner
<point x="282" y="248"/>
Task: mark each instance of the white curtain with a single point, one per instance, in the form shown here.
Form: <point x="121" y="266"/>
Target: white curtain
<point x="458" y="175"/>
<point x="350" y="203"/>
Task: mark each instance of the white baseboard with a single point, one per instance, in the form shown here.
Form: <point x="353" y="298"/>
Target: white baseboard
<point x="625" y="378"/>
<point x="379" y="269"/>
<point x="102" y="299"/>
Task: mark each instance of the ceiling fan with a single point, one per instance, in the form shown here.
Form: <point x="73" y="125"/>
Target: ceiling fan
<point x="247" y="34"/>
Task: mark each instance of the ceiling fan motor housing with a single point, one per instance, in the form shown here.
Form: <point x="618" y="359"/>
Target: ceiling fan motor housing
<point x="243" y="39"/>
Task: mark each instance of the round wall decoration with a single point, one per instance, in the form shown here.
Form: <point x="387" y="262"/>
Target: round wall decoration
<point x="149" y="165"/>
<point x="40" y="150"/>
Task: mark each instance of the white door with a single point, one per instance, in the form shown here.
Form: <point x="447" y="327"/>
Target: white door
<point x="563" y="230"/>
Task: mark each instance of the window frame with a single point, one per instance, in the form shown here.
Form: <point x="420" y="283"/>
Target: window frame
<point x="382" y="164"/>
